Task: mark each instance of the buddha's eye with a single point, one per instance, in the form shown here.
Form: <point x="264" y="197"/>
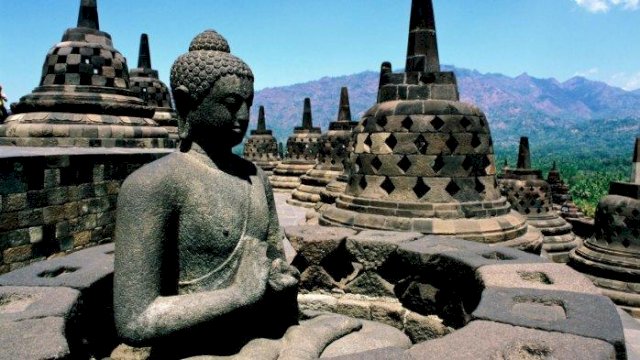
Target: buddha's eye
<point x="232" y="102"/>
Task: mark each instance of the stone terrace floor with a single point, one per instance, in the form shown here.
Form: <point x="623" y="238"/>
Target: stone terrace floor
<point x="292" y="215"/>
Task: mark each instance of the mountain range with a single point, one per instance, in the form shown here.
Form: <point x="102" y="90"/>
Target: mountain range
<point x="522" y="105"/>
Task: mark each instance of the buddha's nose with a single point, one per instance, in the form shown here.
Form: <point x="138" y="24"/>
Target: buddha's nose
<point x="243" y="112"/>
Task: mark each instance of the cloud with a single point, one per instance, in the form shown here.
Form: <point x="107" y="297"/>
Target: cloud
<point x="626" y="81"/>
<point x="597" y="6"/>
<point x="587" y="73"/>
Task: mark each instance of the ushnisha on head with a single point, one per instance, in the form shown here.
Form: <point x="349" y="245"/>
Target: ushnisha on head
<point x="213" y="92"/>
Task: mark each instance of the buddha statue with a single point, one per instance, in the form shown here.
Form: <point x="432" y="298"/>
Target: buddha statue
<point x="199" y="261"/>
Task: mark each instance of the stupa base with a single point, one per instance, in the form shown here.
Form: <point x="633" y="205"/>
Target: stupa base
<point x="559" y="239"/>
<point x="616" y="273"/>
<point x="509" y="229"/>
<point x="311" y="186"/>
<point x="83" y="130"/>
<point x="286" y="176"/>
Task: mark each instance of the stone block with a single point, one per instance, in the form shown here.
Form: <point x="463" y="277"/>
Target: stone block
<point x="315" y="243"/>
<point x="14" y="202"/>
<point x="586" y="315"/>
<point x="79" y="270"/>
<point x="356" y="308"/>
<point x="42" y="338"/>
<point x="317" y="302"/>
<point x="488" y="340"/>
<point x="21" y="303"/>
<point x="371" y="248"/>
<point x="17" y="254"/>
<point x="423" y="328"/>
<point x="536" y="276"/>
<point x="371" y="284"/>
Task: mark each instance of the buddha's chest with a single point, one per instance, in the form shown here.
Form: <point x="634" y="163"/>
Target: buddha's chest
<point x="214" y="216"/>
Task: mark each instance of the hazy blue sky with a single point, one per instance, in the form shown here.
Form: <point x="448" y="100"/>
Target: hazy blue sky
<point x="291" y="41"/>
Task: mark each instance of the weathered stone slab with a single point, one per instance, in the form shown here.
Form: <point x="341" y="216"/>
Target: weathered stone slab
<point x="587" y="315"/>
<point x="536" y="276"/>
<point x="42" y="338"/>
<point x="79" y="270"/>
<point x="454" y="259"/>
<point x="489" y="340"/>
<point x="21" y="303"/>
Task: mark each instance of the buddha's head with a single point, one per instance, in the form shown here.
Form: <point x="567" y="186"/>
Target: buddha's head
<point x="213" y="92"/>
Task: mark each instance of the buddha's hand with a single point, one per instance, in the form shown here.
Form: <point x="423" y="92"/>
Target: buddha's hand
<point x="282" y="275"/>
<point x="253" y="271"/>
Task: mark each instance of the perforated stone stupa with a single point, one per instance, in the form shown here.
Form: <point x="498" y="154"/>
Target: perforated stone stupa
<point x="84" y="97"/>
<point x="530" y="195"/>
<point x="302" y="153"/>
<point x="262" y="148"/>
<point x="611" y="257"/>
<point x="332" y="154"/>
<point x="423" y="161"/>
<point x="146" y="84"/>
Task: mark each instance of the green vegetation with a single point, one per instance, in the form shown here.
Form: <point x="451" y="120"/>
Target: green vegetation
<point x="589" y="156"/>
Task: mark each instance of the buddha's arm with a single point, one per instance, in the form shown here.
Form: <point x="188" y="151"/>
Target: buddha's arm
<point x="147" y="268"/>
<point x="274" y="233"/>
<point x="282" y="276"/>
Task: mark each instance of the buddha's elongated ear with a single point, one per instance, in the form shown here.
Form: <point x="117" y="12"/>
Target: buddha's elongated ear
<point x="182" y="98"/>
<point x="183" y="102"/>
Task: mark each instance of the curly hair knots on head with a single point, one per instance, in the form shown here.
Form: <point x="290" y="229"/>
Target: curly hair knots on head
<point x="208" y="60"/>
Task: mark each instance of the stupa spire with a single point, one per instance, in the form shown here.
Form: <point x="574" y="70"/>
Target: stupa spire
<point x="144" y="54"/>
<point x="422" y="50"/>
<point x="344" y="113"/>
<point x="524" y="155"/>
<point x="307" y="119"/>
<point x="88" y="14"/>
<point x="262" y="125"/>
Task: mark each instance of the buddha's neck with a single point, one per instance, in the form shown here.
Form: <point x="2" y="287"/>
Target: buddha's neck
<point x="219" y="156"/>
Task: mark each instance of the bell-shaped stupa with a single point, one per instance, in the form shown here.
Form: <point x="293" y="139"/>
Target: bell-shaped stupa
<point x="611" y="257"/>
<point x="530" y="195"/>
<point x="145" y="83"/>
<point x="262" y="148"/>
<point x="84" y="97"/>
<point x="422" y="160"/>
<point x="334" y="147"/>
<point x="302" y="153"/>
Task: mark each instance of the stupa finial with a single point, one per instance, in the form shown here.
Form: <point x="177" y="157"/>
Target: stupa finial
<point x="524" y="155"/>
<point x="422" y="51"/>
<point x="344" y="113"/>
<point x="88" y="14"/>
<point x="144" y="55"/>
<point x="307" y="119"/>
<point x="262" y="125"/>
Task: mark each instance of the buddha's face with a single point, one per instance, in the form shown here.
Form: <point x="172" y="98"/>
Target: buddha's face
<point x="222" y="118"/>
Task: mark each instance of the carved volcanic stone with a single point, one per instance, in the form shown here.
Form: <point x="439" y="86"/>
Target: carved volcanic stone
<point x="145" y="83"/>
<point x="331" y="157"/>
<point x="611" y="257"/>
<point x="422" y="160"/>
<point x="530" y="195"/>
<point x="262" y="147"/>
<point x="84" y="97"/>
<point x="302" y="152"/>
<point x="562" y="199"/>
